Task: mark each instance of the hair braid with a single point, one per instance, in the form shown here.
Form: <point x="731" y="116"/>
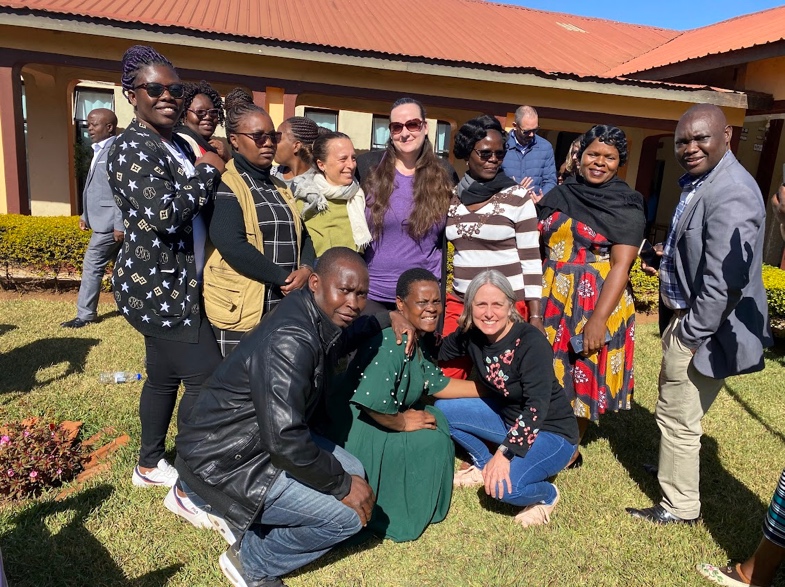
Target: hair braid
<point x="137" y="57"/>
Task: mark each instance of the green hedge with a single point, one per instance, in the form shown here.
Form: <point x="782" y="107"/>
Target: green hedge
<point x="43" y="245"/>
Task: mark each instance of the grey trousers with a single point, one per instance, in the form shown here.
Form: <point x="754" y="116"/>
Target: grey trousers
<point x="685" y="396"/>
<point x="101" y="249"/>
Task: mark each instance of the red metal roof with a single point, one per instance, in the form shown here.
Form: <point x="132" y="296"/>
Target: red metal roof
<point x="469" y="31"/>
<point x="741" y="32"/>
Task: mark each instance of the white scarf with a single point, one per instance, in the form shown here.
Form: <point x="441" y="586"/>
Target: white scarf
<point x="315" y="192"/>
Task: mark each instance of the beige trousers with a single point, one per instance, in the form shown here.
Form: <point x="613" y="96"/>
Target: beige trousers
<point x="685" y="396"/>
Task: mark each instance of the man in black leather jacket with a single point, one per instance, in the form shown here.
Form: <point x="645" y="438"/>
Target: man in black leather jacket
<point x="247" y="449"/>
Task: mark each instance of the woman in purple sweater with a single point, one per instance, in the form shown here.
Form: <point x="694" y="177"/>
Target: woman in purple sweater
<point x="408" y="191"/>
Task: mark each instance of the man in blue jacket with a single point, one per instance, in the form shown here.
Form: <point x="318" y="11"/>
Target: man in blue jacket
<point x="529" y="155"/>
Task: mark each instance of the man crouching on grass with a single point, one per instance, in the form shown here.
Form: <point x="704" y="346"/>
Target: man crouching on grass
<point x="246" y="451"/>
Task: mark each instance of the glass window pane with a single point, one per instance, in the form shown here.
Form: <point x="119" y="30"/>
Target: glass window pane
<point x="442" y="139"/>
<point x="324" y="118"/>
<point x="87" y="100"/>
<point x="380" y="132"/>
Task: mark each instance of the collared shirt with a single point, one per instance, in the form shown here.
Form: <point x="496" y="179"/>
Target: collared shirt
<point x="96" y="148"/>
<point x="671" y="294"/>
<point x="523" y="148"/>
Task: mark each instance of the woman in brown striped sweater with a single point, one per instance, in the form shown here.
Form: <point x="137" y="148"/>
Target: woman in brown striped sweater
<point x="492" y="223"/>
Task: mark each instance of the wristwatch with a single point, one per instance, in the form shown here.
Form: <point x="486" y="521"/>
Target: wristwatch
<point x="506" y="452"/>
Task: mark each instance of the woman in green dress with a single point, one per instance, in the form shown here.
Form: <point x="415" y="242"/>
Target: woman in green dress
<point x="403" y="444"/>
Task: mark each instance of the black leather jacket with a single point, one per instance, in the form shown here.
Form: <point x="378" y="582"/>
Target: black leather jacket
<point x="251" y="420"/>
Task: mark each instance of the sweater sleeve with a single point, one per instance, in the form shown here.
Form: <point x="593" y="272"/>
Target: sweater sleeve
<point x="527" y="239"/>
<point x="537" y="383"/>
<point x="227" y="233"/>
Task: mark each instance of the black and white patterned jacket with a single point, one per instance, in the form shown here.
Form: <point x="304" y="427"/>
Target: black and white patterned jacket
<point x="155" y="279"/>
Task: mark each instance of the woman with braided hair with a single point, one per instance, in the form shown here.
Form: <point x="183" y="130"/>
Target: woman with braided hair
<point x="203" y="112"/>
<point x="260" y="250"/>
<point x="295" y="150"/>
<point x="163" y="197"/>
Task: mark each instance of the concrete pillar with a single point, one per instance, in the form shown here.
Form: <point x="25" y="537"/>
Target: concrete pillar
<point x="50" y="139"/>
<point x="14" y="197"/>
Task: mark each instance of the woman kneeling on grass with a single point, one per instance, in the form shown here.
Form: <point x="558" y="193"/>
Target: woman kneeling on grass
<point x="527" y="412"/>
<point x="403" y="444"/>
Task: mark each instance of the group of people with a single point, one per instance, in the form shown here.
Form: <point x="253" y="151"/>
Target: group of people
<point x="305" y="309"/>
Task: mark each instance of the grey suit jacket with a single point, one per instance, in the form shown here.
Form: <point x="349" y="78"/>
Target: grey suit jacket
<point x="101" y="214"/>
<point x="719" y="255"/>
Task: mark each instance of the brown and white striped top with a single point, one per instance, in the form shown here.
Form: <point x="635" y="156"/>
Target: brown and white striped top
<point x="502" y="234"/>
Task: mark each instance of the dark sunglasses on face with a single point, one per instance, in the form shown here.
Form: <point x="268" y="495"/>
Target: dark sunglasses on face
<point x="528" y="133"/>
<point x="260" y="138"/>
<point x="156" y="90"/>
<point x="486" y="154"/>
<point x="212" y="113"/>
<point x="414" y="125"/>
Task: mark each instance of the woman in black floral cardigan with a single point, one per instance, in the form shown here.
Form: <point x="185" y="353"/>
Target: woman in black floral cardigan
<point x="158" y="272"/>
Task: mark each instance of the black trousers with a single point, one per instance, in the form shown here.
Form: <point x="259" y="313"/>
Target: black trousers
<point x="168" y="363"/>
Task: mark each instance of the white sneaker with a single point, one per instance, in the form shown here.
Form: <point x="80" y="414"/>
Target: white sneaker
<point x="225" y="530"/>
<point x="185" y="508"/>
<point x="163" y="475"/>
<point x="537" y="514"/>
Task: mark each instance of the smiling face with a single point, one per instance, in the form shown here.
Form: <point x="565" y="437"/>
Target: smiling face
<point x="422" y="306"/>
<point x="205" y="125"/>
<point x="260" y="154"/>
<point x="599" y="163"/>
<point x="340" y="162"/>
<point x="491" y="312"/>
<point x="486" y="170"/>
<point x="342" y="292"/>
<point x="158" y="114"/>
<point x="407" y="142"/>
<point x="702" y="139"/>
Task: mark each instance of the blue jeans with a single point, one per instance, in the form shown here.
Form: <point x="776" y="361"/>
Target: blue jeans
<point x="473" y="420"/>
<point x="298" y="524"/>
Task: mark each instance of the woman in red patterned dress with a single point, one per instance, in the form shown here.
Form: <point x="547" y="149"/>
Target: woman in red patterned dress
<point x="591" y="227"/>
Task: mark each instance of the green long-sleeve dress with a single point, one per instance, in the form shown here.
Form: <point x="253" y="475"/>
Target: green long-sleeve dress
<point x="410" y="472"/>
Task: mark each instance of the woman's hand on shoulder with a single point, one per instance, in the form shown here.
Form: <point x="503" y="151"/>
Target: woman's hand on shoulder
<point x="210" y="158"/>
<point x="221" y="148"/>
<point x="296" y="280"/>
<point x="401" y="326"/>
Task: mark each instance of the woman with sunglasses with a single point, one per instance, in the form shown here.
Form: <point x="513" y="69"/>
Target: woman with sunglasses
<point x="408" y="191"/>
<point x="158" y="272"/>
<point x="330" y="199"/>
<point x="492" y="223"/>
<point x="592" y="226"/>
<point x="260" y="250"/>
<point x="203" y="112"/>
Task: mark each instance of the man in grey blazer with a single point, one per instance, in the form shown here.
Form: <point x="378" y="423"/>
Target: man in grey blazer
<point x="713" y="298"/>
<point x="101" y="214"/>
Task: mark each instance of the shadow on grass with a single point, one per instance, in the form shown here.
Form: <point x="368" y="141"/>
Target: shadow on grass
<point x="731" y="512"/>
<point x="364" y="540"/>
<point x="753" y="414"/>
<point x="7" y="328"/>
<point x="36" y="557"/>
<point x="19" y="366"/>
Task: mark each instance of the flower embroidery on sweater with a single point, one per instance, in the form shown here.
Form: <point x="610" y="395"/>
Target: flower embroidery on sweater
<point x="495" y="375"/>
<point x="521" y="432"/>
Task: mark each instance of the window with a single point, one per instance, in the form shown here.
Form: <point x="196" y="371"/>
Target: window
<point x="380" y="132"/>
<point x="86" y="100"/>
<point x="324" y="118"/>
<point x="442" y="146"/>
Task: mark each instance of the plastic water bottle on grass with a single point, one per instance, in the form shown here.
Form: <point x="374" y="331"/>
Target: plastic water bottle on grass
<point x="119" y="377"/>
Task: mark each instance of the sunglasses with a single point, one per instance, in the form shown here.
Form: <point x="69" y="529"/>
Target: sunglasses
<point x="260" y="138"/>
<point x="528" y="133"/>
<point x="212" y="113"/>
<point x="155" y="90"/>
<point x="486" y="154"/>
<point x="414" y="125"/>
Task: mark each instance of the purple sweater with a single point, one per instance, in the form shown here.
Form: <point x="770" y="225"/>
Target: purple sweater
<point x="396" y="251"/>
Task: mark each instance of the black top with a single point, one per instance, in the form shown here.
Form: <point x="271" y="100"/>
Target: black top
<point x="519" y="369"/>
<point x="227" y="229"/>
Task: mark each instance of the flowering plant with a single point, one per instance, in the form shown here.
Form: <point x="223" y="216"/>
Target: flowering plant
<point x="35" y="455"/>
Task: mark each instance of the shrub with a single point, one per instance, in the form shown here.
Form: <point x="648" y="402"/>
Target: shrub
<point x="43" y="245"/>
<point x="774" y="282"/>
<point x="645" y="289"/>
<point x="35" y="456"/>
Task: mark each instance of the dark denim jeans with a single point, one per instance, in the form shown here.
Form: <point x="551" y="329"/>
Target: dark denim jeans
<point x="298" y="524"/>
<point x="474" y="420"/>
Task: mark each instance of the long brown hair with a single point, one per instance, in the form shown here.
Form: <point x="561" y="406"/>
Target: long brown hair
<point x="432" y="186"/>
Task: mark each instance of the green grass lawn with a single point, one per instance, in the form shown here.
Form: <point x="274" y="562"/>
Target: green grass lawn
<point x="110" y="533"/>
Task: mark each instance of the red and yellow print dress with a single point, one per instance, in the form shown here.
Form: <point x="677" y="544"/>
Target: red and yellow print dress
<point x="577" y="261"/>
